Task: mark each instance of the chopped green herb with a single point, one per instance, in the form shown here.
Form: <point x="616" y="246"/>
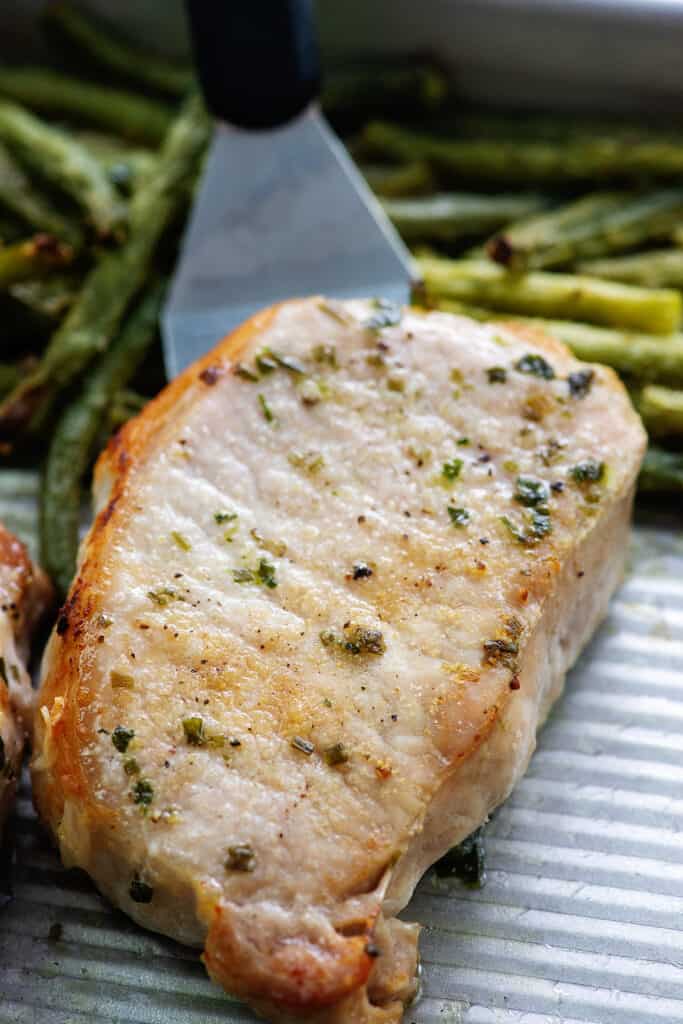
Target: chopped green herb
<point x="335" y="311"/>
<point x="140" y="892"/>
<point x="131" y="767"/>
<point x="121" y="680"/>
<point x="463" y="440"/>
<point x="245" y="373"/>
<point x="588" y="471"/>
<point x="288" y="363"/>
<point x="305" y="746"/>
<point x="531" y="493"/>
<point x="326" y="354"/>
<point x="354" y="640"/>
<point x="265" y="409"/>
<point x="497" y="374"/>
<point x="194" y="731"/>
<point x="309" y="461"/>
<point x="225" y="517"/>
<point x="538" y="526"/>
<point x="458" y="516"/>
<point x="550" y="452"/>
<point x="161" y="596"/>
<point x="580" y="382"/>
<point x="335" y="755"/>
<point x="361" y="571"/>
<point x="121" y="737"/>
<point x="361" y="640"/>
<point x="241" y="857"/>
<point x="541" y="525"/>
<point x="243" y="575"/>
<point x="327" y="702"/>
<point x="266" y="362"/>
<point x="451" y="470"/>
<point x="276" y="547"/>
<point x="510" y="466"/>
<point x="266" y="574"/>
<point x="536" y="365"/>
<point x="181" y="541"/>
<point x="500" y="652"/>
<point x="387" y="315"/>
<point x="143" y="792"/>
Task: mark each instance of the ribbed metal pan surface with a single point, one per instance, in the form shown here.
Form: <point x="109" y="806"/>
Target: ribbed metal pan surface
<point x="581" y="917"/>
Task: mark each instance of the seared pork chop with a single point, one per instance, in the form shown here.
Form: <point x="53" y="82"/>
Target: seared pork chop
<point x="24" y="592"/>
<point x="338" y="572"/>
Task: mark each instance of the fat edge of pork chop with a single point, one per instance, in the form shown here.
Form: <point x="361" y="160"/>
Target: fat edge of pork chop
<point x="24" y="595"/>
<point x="293" y="921"/>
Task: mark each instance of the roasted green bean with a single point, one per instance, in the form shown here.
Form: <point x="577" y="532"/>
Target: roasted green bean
<point x="64" y="163"/>
<point x="537" y="293"/>
<point x="109" y="52"/>
<point x="111" y="285"/>
<point x="55" y="94"/>
<point x="71" y="446"/>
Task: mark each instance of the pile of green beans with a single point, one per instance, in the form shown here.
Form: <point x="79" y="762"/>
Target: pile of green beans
<point x="573" y="225"/>
<point x="95" y="183"/>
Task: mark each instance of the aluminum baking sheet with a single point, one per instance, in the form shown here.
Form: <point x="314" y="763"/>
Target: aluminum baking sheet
<point x="581" y="916"/>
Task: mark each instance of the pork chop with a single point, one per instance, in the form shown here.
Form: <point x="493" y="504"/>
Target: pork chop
<point x="24" y="593"/>
<point x="338" y="572"/>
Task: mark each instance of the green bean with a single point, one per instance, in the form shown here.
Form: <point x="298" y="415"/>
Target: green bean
<point x="49" y="297"/>
<point x="659" y="268"/>
<point x="11" y="229"/>
<point x="20" y="196"/>
<point x="62" y="162"/>
<point x="642" y="358"/>
<point x="510" y="162"/>
<point x="71" y="446"/>
<point x="645" y="358"/>
<point x="53" y="93"/>
<point x="124" y="405"/>
<point x="553" y="295"/>
<point x="661" y="472"/>
<point x="396" y="180"/>
<point x="125" y="165"/>
<point x="612" y="227"/>
<point x="105" y="49"/>
<point x="524" y="236"/>
<point x="10" y="375"/>
<point x="111" y="285"/>
<point x="661" y="409"/>
<point x="520" y="125"/>
<point x="447" y="217"/>
<point x="360" y="91"/>
<point x="31" y="258"/>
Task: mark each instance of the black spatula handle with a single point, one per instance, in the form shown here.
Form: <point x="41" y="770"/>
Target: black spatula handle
<point x="257" y="60"/>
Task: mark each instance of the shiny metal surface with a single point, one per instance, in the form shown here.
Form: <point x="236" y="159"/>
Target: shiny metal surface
<point x="581" y="917"/>
<point x="279" y="214"/>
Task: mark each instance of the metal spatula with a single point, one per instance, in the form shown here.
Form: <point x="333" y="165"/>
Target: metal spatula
<point x="281" y="210"/>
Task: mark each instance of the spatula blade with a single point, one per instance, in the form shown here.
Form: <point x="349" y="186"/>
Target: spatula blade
<point x="279" y="214"/>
